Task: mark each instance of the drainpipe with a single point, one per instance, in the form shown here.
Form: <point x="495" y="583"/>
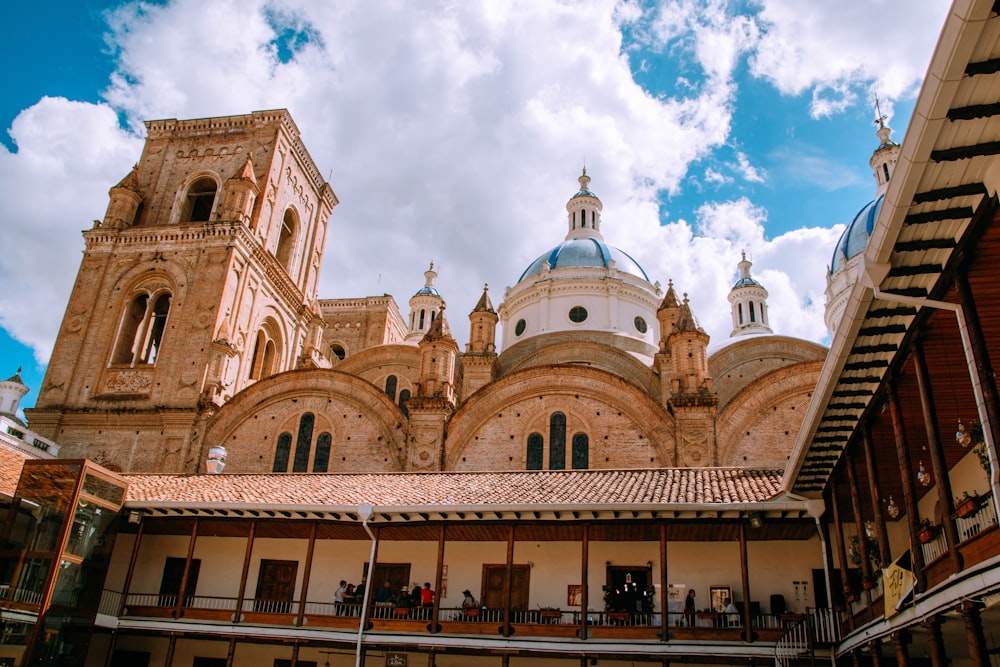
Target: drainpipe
<point x="365" y="512"/>
<point x="977" y="387"/>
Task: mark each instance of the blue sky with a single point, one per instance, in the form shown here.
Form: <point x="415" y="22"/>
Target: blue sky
<point x="455" y="133"/>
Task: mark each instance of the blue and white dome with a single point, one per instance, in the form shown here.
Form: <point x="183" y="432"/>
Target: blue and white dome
<point x="854" y="240"/>
<point x="587" y="251"/>
<point x="582" y="285"/>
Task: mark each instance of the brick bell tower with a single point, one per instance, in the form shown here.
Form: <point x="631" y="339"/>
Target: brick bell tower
<point x="200" y="281"/>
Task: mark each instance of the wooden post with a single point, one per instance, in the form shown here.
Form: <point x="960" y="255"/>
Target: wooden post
<point x="745" y="575"/>
<point x="664" y="603"/>
<point x="506" y="629"/>
<point x="935" y="641"/>
<point x="168" y="660"/>
<point x="231" y="652"/>
<point x="305" y="579"/>
<point x="438" y="578"/>
<point x="859" y="523"/>
<point x="909" y="490"/>
<point x="238" y="616"/>
<point x="974" y="636"/>
<point x="900" y="640"/>
<point x="131" y="569"/>
<point x="873" y="490"/>
<point x="584" y="570"/>
<point x="187" y="569"/>
<point x="841" y="548"/>
<point x="938" y="464"/>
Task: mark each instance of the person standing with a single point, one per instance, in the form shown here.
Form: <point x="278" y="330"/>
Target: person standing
<point x="427" y="595"/>
<point x="338" y="598"/>
<point x="689" y="609"/>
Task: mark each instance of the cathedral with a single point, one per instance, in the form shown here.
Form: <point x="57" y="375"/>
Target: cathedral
<point x="216" y="450"/>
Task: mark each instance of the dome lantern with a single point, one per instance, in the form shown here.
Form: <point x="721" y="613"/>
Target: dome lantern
<point x="584" y="212"/>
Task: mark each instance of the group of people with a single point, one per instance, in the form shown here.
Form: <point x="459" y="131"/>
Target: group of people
<point x="386" y="596"/>
<point x="730" y="616"/>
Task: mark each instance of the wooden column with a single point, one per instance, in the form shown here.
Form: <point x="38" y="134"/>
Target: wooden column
<point x="305" y="579"/>
<point x="231" y="652"/>
<point x="505" y="630"/>
<point x="238" y="616"/>
<point x="935" y="641"/>
<point x="664" y="586"/>
<point x="434" y="625"/>
<point x="295" y="656"/>
<point x="841" y="548"/>
<point x="875" y="648"/>
<point x="938" y="464"/>
<point x="978" y="651"/>
<point x="745" y="576"/>
<point x="584" y="574"/>
<point x="900" y="641"/>
<point x="168" y="660"/>
<point x="187" y="569"/>
<point x="859" y="526"/>
<point x="909" y="490"/>
<point x="133" y="559"/>
<point x="873" y="490"/>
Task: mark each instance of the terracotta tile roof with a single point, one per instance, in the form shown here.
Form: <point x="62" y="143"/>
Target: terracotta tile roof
<point x="542" y="488"/>
<point x="11" y="463"/>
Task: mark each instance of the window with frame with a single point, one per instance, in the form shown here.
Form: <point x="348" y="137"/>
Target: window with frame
<point x="199" y="200"/>
<point x="140" y="335"/>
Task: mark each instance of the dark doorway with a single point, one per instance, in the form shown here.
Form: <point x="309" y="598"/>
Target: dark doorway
<point x="397" y="574"/>
<point x="170" y="582"/>
<point x="495" y="586"/>
<point x="626" y="590"/>
<point x="276" y="586"/>
<point x="130" y="658"/>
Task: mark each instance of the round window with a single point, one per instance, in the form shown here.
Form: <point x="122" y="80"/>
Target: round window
<point x="519" y="327"/>
<point x="577" y="314"/>
<point x="640" y="324"/>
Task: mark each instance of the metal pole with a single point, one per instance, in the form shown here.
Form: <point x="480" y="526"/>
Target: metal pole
<point x="365" y="512"/>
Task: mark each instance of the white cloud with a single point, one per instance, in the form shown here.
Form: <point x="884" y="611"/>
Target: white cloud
<point x="838" y="50"/>
<point x="68" y="155"/>
<point x="455" y="132"/>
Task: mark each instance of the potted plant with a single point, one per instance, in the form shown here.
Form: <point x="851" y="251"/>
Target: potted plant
<point x="549" y="614"/>
<point x="872" y="549"/>
<point x="967" y="505"/>
<point x="927" y="532"/>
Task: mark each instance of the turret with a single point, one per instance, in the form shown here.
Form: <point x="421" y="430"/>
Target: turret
<point x="240" y="194"/>
<point x="125" y="202"/>
<point x="424" y="306"/>
<point x="434" y="402"/>
<point x="667" y="314"/>
<point x="438" y="351"/>
<point x="584" y="212"/>
<point x="883" y="159"/>
<point x="12" y="390"/>
<point x="748" y="302"/>
<point x="479" y="363"/>
<point x="688" y="344"/>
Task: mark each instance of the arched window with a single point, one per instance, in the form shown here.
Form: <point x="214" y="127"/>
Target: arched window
<point x="404" y="397"/>
<point x="753" y="314"/>
<point x="421" y="327"/>
<point x="885" y="170"/>
<point x="739" y="309"/>
<point x="282" y="452"/>
<point x="140" y="335"/>
<point x="199" y="200"/>
<point x="390" y="387"/>
<point x="304" y="443"/>
<point x="534" y="456"/>
<point x="286" y="239"/>
<point x="266" y="352"/>
<point x="557" y="441"/>
<point x="581" y="451"/>
<point x="322" y="460"/>
<point x="338" y="351"/>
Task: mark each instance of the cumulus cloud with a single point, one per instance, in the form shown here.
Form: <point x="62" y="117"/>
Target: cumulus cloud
<point x="454" y="132"/>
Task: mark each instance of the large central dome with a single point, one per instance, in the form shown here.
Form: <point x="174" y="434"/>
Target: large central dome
<point x="583" y="285"/>
<point x="587" y="251"/>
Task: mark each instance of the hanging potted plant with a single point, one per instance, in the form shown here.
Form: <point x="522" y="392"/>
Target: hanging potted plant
<point x="967" y="505"/>
<point x="927" y="532"/>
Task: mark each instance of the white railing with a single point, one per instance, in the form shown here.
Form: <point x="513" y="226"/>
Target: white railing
<point x="935" y="548"/>
<point x="820" y="626"/>
<point x="111" y="602"/>
<point x="205" y="602"/>
<point x="150" y="600"/>
<point x="271" y="606"/>
<point x="971" y="526"/>
<point x="27" y="596"/>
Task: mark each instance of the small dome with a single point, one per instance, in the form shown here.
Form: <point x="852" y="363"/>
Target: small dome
<point x="855" y="238"/>
<point x="427" y="290"/>
<point x="583" y="252"/>
<point x="746" y="282"/>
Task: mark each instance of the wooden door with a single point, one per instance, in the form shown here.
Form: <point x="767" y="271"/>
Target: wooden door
<point x="397" y="574"/>
<point x="276" y="585"/>
<point x="495" y="586"/>
<point x="170" y="582"/>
